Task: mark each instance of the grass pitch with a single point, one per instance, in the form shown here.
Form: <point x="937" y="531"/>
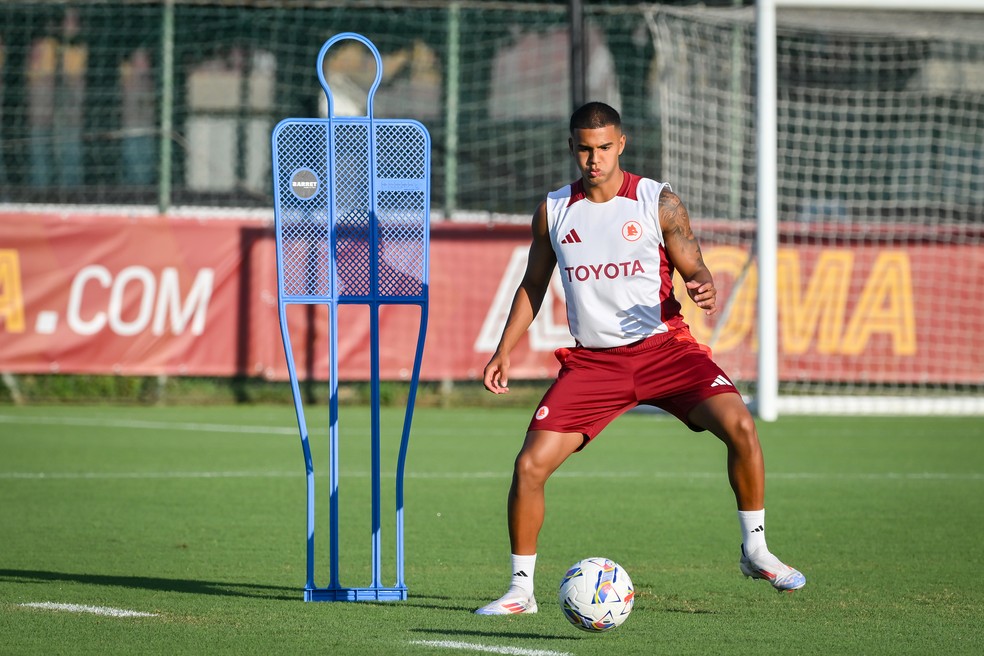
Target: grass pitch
<point x="195" y="516"/>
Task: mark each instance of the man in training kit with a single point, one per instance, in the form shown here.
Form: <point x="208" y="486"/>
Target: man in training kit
<point x="617" y="238"/>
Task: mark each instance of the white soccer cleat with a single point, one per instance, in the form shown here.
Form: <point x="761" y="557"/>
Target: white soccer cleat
<point x="761" y="564"/>
<point x="510" y="604"/>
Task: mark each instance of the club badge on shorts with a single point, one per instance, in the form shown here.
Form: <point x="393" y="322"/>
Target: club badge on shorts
<point x="542" y="412"/>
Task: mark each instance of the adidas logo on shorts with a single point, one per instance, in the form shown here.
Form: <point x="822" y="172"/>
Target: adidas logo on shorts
<point x="721" y="380"/>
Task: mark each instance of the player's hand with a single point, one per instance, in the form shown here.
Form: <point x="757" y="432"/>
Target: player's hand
<point x="704" y="295"/>
<point x="496" y="378"/>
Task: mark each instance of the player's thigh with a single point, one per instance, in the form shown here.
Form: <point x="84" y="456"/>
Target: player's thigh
<point x="726" y="416"/>
<point x="544" y="451"/>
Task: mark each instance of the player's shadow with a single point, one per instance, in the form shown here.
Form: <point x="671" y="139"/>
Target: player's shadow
<point x="495" y="634"/>
<point x="190" y="586"/>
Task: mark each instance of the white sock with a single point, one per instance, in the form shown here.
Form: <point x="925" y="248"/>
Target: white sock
<point x="523" y="568"/>
<point x="752" y="523"/>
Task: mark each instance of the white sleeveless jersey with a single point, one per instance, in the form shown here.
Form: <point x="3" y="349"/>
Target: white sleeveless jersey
<point x="613" y="263"/>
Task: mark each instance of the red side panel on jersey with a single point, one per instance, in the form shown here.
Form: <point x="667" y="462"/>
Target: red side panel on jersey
<point x="577" y="192"/>
<point x="669" y="306"/>
<point x="630" y="182"/>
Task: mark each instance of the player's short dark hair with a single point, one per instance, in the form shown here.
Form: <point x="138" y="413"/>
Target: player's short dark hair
<point x="595" y="115"/>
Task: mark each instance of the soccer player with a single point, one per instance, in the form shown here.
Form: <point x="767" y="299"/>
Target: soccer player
<point x="617" y="238"/>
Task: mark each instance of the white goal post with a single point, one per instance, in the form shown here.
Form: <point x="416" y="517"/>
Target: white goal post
<point x="769" y="402"/>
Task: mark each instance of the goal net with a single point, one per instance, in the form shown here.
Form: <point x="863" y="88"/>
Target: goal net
<point x="879" y="198"/>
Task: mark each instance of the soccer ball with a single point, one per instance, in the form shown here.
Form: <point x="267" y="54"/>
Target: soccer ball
<point x="596" y="595"/>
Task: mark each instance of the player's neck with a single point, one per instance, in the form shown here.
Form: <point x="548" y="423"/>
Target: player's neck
<point x="605" y="191"/>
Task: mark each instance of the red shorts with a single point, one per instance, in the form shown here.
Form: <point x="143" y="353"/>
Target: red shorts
<point x="670" y="371"/>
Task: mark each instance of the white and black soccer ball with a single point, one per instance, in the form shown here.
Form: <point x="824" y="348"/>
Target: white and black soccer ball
<point x="596" y="595"/>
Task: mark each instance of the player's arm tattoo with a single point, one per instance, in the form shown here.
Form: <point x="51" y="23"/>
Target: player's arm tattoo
<point x="675" y="222"/>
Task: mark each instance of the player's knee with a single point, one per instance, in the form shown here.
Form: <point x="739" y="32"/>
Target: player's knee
<point x="529" y="470"/>
<point x="746" y="426"/>
<point x="743" y="433"/>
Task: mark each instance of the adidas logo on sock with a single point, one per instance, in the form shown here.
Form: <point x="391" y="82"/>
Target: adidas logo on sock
<point x="721" y="380"/>
<point x="571" y="238"/>
<point x="521" y="573"/>
<point x="758" y="529"/>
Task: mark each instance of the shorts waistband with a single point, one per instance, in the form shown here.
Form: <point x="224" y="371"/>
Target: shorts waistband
<point x="653" y="341"/>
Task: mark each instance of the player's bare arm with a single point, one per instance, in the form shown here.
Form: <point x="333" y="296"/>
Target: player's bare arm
<point x="684" y="251"/>
<point x="526" y="303"/>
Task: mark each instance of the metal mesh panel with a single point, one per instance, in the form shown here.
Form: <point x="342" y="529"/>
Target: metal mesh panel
<point x="401" y="207"/>
<point x="400" y="150"/>
<point x="305" y="223"/>
<point x="352" y="206"/>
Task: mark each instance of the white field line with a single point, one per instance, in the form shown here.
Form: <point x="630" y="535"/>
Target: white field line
<point x="149" y="425"/>
<point x="281" y="430"/>
<point x="95" y="610"/>
<point x="610" y="475"/>
<point x="138" y="475"/>
<point x="490" y="649"/>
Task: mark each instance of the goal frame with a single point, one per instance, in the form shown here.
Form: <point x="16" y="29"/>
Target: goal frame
<point x="769" y="404"/>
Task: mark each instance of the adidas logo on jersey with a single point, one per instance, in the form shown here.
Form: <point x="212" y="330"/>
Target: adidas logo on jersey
<point x="571" y="238"/>
<point x="721" y="380"/>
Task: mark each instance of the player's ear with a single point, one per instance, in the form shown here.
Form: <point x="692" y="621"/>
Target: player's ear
<point x="570" y="144"/>
<point x="621" y="143"/>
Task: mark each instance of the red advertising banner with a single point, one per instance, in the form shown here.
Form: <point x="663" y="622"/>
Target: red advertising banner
<point x="100" y="293"/>
<point x="104" y="294"/>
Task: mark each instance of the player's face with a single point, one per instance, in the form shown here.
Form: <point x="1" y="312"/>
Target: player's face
<point x="596" y="152"/>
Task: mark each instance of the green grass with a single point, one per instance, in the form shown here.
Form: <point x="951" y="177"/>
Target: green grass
<point x="197" y="514"/>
